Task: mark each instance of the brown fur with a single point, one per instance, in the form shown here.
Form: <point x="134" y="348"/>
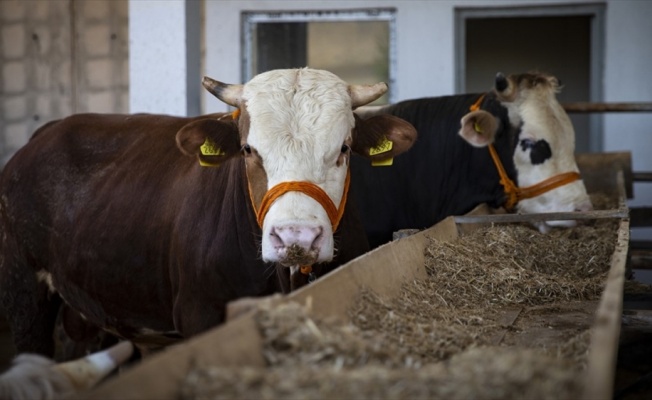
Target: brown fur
<point x="135" y="235"/>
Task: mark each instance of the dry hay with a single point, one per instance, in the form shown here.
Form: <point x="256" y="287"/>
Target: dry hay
<point x="506" y="373"/>
<point x="514" y="264"/>
<point x="312" y="359"/>
<point x="436" y="339"/>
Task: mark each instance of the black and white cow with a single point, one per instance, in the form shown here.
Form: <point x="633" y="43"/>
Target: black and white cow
<point x="450" y="170"/>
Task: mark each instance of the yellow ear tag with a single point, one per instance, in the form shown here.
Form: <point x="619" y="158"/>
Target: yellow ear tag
<point x="383" y="147"/>
<point x="477" y="127"/>
<point x="209" y="148"/>
<point x="384" y="163"/>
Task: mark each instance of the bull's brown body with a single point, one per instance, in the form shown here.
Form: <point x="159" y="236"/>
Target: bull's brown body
<point x="130" y="233"/>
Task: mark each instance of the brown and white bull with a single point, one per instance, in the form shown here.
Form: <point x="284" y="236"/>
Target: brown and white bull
<point x="105" y="213"/>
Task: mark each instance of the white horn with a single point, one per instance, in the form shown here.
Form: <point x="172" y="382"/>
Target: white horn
<point x="85" y="372"/>
<point x="230" y="94"/>
<point x="365" y="94"/>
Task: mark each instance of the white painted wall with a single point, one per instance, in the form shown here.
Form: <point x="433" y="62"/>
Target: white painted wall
<point x="161" y="44"/>
<point x="628" y="69"/>
<point x="426" y="66"/>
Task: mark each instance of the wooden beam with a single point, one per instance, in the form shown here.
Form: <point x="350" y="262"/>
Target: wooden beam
<point x="586" y="107"/>
<point x="554" y="216"/>
<point x="642" y="176"/>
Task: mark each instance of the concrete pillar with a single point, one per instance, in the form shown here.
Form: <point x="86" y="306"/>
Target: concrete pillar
<point x="164" y="56"/>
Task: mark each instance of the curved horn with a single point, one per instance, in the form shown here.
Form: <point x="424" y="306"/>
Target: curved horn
<point x="85" y="372"/>
<point x="365" y="94"/>
<point x="230" y="94"/>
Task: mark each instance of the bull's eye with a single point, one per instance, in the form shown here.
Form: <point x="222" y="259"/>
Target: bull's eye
<point x="345" y="148"/>
<point x="246" y="148"/>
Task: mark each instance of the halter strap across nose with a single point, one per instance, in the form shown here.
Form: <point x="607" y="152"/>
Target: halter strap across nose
<point x="512" y="191"/>
<point x="334" y="213"/>
<point x="310" y="189"/>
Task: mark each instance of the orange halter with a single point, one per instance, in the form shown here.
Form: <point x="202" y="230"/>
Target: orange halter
<point x="514" y="193"/>
<point x="310" y="189"/>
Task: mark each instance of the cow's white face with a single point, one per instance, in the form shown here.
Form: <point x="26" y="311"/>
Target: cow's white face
<point x="545" y="146"/>
<point x="296" y="127"/>
<point x="300" y="130"/>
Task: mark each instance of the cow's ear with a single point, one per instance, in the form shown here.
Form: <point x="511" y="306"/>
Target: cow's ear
<point x="382" y="137"/>
<point x="211" y="140"/>
<point x="479" y="128"/>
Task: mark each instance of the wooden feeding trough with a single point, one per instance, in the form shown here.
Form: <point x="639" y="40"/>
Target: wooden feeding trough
<point x="323" y="340"/>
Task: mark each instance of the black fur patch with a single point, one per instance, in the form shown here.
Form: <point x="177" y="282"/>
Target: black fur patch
<point x="539" y="151"/>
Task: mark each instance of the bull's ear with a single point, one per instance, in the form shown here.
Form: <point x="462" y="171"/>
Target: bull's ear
<point x="382" y="137"/>
<point x="479" y="128"/>
<point x="212" y="141"/>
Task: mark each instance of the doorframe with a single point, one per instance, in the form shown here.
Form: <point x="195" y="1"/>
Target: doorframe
<point x="596" y="12"/>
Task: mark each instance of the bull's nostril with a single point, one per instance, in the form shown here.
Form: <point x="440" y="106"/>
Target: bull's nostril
<point x="306" y="237"/>
<point x="319" y="239"/>
<point x="275" y="239"/>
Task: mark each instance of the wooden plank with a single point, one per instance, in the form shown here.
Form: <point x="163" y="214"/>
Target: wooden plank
<point x="601" y="369"/>
<point x="642" y="176"/>
<point x="555" y="216"/>
<point x="587" y="107"/>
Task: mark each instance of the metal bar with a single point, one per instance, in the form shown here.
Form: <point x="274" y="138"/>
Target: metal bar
<point x="642" y="176"/>
<point x="586" y="107"/>
<point x="556" y="216"/>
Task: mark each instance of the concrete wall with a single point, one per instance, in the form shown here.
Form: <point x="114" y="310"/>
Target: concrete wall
<point x="59" y="57"/>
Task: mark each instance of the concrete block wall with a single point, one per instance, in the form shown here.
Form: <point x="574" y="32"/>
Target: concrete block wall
<point x="102" y="55"/>
<point x="59" y="57"/>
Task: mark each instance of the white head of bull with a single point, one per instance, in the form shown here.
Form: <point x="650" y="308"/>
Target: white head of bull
<point x="296" y="132"/>
<point x="547" y="174"/>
